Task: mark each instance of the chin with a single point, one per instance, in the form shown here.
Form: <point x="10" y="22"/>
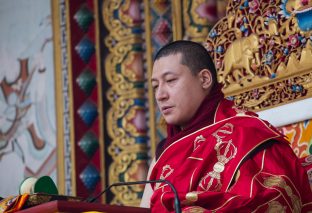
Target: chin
<point x="172" y="122"/>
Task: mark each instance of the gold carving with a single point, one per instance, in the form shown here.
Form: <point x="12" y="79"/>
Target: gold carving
<point x="262" y="53"/>
<point x="124" y="71"/>
<point x="241" y="54"/>
<point x="295" y="88"/>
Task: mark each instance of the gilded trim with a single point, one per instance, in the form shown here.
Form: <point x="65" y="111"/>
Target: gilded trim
<point x="100" y="100"/>
<point x="58" y="94"/>
<point x="225" y="203"/>
<point x="194" y="158"/>
<point x="149" y="65"/>
<point x="254" y="177"/>
<point x="191" y="181"/>
<point x="61" y="34"/>
<point x="161" y="200"/>
<point x="306" y="204"/>
<point x="177" y="20"/>
<point x="161" y="187"/>
<point x="216" y="112"/>
<point x="71" y="106"/>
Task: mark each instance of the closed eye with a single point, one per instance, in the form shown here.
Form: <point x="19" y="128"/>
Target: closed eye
<point x="171" y="80"/>
<point x="155" y="86"/>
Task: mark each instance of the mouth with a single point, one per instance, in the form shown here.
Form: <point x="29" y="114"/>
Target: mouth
<point x="166" y="109"/>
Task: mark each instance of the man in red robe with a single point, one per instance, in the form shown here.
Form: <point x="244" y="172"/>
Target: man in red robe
<point x="219" y="157"/>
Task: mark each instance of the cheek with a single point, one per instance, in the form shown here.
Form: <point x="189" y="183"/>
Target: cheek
<point x="186" y="104"/>
<point x="191" y="102"/>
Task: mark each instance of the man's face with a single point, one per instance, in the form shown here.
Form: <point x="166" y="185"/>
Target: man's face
<point x="177" y="91"/>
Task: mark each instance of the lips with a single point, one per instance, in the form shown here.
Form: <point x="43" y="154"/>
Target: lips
<point x="166" y="109"/>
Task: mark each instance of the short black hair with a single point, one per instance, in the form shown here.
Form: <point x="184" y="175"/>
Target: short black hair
<point x="194" y="56"/>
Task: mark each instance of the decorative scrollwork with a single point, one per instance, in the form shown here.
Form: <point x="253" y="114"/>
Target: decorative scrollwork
<point x="126" y="117"/>
<point x="277" y="93"/>
<point x="257" y="46"/>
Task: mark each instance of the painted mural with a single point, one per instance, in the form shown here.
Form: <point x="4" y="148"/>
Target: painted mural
<point x="27" y="104"/>
<point x="300" y="137"/>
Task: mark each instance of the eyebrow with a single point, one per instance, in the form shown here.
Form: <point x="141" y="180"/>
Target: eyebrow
<point x="164" y="75"/>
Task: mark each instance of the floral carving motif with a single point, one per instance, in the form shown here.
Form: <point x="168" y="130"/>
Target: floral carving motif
<point x="262" y="52"/>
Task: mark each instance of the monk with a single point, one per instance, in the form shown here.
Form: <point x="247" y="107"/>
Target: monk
<point x="219" y="157"/>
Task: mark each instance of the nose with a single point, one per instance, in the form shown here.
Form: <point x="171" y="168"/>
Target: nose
<point x="161" y="94"/>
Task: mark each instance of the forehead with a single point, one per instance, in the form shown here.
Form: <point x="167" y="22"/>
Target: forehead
<point x="167" y="65"/>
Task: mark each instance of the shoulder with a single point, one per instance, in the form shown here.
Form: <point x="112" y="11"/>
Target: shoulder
<point x="276" y="156"/>
<point x="281" y="150"/>
<point x="227" y="109"/>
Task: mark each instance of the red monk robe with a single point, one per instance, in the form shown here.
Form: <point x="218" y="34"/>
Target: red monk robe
<point x="228" y="160"/>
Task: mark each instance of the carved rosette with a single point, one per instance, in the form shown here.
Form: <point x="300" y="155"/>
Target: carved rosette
<point x="262" y="52"/>
<point x="126" y="123"/>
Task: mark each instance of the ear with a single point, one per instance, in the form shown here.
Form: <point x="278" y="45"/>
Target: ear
<point x="205" y="78"/>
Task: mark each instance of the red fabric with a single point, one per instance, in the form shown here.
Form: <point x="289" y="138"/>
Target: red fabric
<point x="306" y="162"/>
<point x="239" y="163"/>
